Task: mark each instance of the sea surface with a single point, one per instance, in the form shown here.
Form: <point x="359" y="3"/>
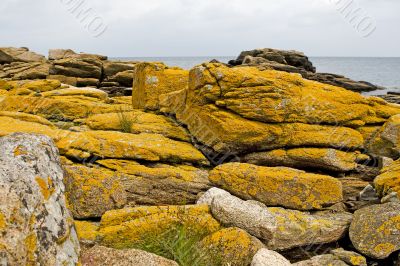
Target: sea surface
<point x="382" y="71"/>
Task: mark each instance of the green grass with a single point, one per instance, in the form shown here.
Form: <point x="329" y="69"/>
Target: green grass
<point x="181" y="245"/>
<point x="125" y="121"/>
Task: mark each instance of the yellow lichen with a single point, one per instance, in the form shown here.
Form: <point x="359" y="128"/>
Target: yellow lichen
<point x="87" y="231"/>
<point x="385" y="248"/>
<point x="127" y="227"/>
<point x="278" y="186"/>
<point x="3" y="222"/>
<point x="20" y="150"/>
<point x="46" y="186"/>
<point x="31" y="248"/>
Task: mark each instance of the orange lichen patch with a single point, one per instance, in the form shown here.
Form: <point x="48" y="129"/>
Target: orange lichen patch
<point x="87" y="231"/>
<point x="278" y="186"/>
<point x="31" y="247"/>
<point x="235" y="246"/>
<point x="20" y="150"/>
<point x="358" y="260"/>
<point x="390" y="226"/>
<point x="127" y="227"/>
<point x="3" y="222"/>
<point x="385" y="248"/>
<point x="46" y="186"/>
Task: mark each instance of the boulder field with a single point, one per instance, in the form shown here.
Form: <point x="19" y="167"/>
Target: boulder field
<point x="219" y="165"/>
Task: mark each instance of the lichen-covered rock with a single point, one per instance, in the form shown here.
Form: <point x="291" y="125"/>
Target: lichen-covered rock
<point x="278" y="228"/>
<point x="35" y="225"/>
<point x="91" y="191"/>
<point x="322" y="260"/>
<point x="375" y="230"/>
<point x="389" y="180"/>
<point x="317" y="158"/>
<point x="278" y="186"/>
<point x="112" y="184"/>
<point x="126" y="228"/>
<point x="265" y="257"/>
<point x="232" y="246"/>
<point x="87" y="232"/>
<point x="57" y="54"/>
<point x="386" y="141"/>
<point x="278" y="97"/>
<point x="138" y="122"/>
<point x="225" y="131"/>
<point x="99" y="255"/>
<point x="350" y="257"/>
<point x="245" y="110"/>
<point x="154" y="79"/>
<point x="58" y="103"/>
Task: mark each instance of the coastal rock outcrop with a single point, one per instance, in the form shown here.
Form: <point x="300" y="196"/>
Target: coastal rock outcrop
<point x="275" y="118"/>
<point x="12" y="54"/>
<point x="297" y="62"/>
<point x="35" y="224"/>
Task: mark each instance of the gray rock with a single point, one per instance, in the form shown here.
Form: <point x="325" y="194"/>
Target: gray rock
<point x="104" y="256"/>
<point x="369" y="194"/>
<point x="36" y="226"/>
<point x="375" y="230"/>
<point x="265" y="257"/>
<point x="391" y="197"/>
<point x="278" y="228"/>
<point x="322" y="260"/>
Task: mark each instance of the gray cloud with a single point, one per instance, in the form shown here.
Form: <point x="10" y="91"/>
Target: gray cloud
<point x="195" y="28"/>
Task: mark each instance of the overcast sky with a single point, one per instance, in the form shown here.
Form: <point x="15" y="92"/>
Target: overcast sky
<point x="200" y="27"/>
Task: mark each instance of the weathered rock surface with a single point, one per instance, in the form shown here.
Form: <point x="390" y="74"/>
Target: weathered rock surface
<point x="265" y="257"/>
<point x="389" y="180"/>
<point x="245" y="110"/>
<point x="386" y="142"/>
<point x="232" y="246"/>
<point x="350" y="257"/>
<point x="12" y="54"/>
<point x="300" y="158"/>
<point x="322" y="260"/>
<point x="297" y="62"/>
<point x="24" y="70"/>
<point x="91" y="191"/>
<point x="77" y="67"/>
<point x="99" y="255"/>
<point x="375" y="230"/>
<point x="278" y="228"/>
<point x="154" y="79"/>
<point x="278" y="186"/>
<point x="35" y="225"/>
<point x="126" y="228"/>
<point x="57" y="54"/>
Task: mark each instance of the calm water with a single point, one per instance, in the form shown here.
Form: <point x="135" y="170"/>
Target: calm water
<point x="381" y="71"/>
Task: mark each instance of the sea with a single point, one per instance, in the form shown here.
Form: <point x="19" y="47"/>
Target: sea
<point x="382" y="71"/>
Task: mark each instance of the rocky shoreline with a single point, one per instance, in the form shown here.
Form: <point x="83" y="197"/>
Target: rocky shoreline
<point x="262" y="161"/>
